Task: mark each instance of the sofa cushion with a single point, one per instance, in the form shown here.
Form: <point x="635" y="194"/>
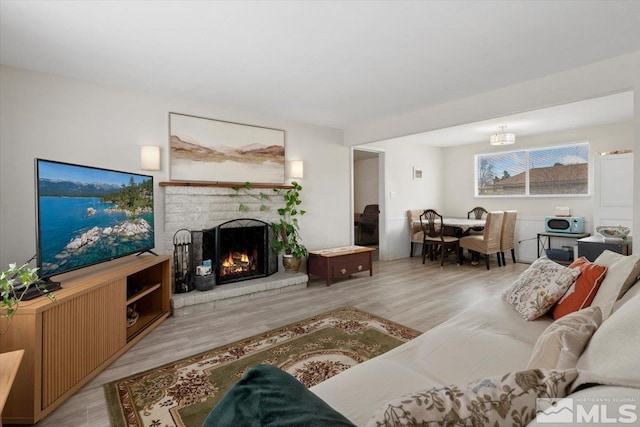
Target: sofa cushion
<point x="612" y="355"/>
<point x="504" y="400"/>
<point x="357" y="392"/>
<point x="494" y="339"/>
<point x="581" y="293"/>
<point x="631" y="293"/>
<point x="562" y="343"/>
<point x="622" y="273"/>
<point x="266" y="395"/>
<point x="539" y="287"/>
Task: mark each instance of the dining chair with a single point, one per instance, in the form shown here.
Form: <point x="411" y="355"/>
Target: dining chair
<point x="507" y="238"/>
<point x="488" y="242"/>
<point x="477" y="213"/>
<point x="433" y="230"/>
<point x="415" y="230"/>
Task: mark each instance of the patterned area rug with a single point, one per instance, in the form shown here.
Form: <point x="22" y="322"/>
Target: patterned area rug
<point x="183" y="392"/>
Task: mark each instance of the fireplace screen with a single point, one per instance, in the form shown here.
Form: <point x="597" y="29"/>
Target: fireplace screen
<point x="244" y="247"/>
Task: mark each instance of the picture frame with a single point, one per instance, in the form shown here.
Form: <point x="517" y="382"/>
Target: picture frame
<point x="417" y="173"/>
<point x="210" y="150"/>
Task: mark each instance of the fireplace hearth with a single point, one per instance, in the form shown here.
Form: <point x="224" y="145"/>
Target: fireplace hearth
<point x="201" y="209"/>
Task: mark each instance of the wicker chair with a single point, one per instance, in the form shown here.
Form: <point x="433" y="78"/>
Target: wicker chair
<point x="507" y="239"/>
<point x="488" y="242"/>
<point x="433" y="230"/>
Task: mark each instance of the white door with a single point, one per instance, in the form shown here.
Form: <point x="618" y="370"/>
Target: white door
<point x="613" y="190"/>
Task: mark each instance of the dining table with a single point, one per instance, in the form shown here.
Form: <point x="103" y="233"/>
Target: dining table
<point x="461" y="226"/>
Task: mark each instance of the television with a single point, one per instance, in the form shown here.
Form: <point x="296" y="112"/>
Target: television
<point x="87" y="215"/>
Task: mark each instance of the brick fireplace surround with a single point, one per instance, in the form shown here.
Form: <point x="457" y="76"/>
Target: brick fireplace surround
<point x="199" y="207"/>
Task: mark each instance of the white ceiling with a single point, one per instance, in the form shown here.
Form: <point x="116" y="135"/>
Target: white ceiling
<point x="332" y="63"/>
<point x="593" y="112"/>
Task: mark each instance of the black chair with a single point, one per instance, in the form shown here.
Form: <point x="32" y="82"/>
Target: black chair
<point x="433" y="230"/>
<point x="367" y="228"/>
<point x="477" y="213"/>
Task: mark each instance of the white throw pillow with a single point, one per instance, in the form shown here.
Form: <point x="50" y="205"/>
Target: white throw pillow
<point x="539" y="287"/>
<point x="622" y="273"/>
<point x="504" y="400"/>
<point x="612" y="356"/>
<point x="562" y="343"/>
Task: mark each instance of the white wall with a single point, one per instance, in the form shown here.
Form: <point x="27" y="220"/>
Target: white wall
<point x="404" y="193"/>
<point x="365" y="183"/>
<point x="459" y="195"/>
<point x="69" y="120"/>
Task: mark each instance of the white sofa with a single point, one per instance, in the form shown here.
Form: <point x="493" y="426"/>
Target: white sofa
<point x="488" y="339"/>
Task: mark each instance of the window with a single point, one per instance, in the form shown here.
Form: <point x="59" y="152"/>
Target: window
<point x="562" y="170"/>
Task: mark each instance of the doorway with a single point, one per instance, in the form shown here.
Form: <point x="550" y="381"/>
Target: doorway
<point x="367" y="197"/>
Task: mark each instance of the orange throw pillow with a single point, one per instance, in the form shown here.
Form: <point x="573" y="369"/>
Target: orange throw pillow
<point x="580" y="295"/>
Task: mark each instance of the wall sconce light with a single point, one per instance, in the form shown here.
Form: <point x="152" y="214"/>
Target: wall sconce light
<point x="150" y="158"/>
<point x="296" y="169"/>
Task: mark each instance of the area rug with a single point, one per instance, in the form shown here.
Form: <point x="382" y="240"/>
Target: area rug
<point x="183" y="392"/>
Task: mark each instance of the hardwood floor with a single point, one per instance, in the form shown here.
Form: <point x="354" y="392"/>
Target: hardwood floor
<point x="405" y="291"/>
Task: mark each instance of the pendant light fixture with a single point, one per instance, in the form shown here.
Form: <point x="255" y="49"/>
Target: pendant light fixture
<point x="502" y="137"/>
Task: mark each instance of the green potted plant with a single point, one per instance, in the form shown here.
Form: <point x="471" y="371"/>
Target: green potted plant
<point x="14" y="284"/>
<point x="287" y="229"/>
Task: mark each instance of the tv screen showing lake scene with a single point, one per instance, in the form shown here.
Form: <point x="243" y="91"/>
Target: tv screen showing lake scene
<point x="88" y="215"/>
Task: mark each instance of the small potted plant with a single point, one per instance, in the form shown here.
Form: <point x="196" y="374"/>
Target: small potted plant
<point x="287" y="229"/>
<point x="14" y="284"/>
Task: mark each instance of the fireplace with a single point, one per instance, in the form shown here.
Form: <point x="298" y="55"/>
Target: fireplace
<point x="239" y="250"/>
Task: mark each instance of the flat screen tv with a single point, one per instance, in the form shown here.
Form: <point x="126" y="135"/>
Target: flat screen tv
<point x="87" y="215"/>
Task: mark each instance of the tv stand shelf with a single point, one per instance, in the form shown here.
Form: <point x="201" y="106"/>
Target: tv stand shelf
<point x="71" y="340"/>
<point x="144" y="292"/>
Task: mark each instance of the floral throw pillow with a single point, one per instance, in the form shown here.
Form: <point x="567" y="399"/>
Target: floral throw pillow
<point x="539" y="287"/>
<point x="507" y="400"/>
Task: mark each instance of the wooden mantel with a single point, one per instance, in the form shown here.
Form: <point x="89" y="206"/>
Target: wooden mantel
<point x="220" y="184"/>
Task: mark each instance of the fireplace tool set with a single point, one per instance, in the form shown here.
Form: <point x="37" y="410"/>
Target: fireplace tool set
<point x="182" y="272"/>
<point x="190" y="270"/>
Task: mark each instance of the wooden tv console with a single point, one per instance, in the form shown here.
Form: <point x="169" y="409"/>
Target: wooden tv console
<point x="71" y="340"/>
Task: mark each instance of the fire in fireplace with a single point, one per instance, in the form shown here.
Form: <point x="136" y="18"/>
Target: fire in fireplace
<point x="245" y="249"/>
<point x="238" y="263"/>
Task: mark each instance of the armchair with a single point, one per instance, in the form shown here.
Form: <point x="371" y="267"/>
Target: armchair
<point x="367" y="228"/>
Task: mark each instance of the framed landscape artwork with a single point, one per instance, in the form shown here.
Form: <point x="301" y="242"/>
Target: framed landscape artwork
<point x="217" y="151"/>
